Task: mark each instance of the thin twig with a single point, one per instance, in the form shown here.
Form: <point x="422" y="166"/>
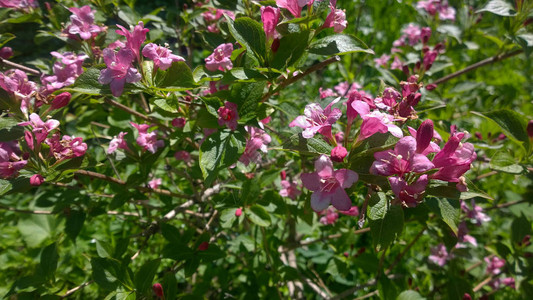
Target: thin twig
<point x="481" y="284"/>
<point x="299" y="76"/>
<point x="20" y="67"/>
<point x="507" y="204"/>
<point x="376" y="292"/>
<point x="73" y="290"/>
<point x="484" y="62"/>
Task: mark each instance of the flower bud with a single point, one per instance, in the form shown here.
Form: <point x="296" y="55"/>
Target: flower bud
<point x="179" y="122"/>
<point x="203" y="246"/>
<point x="339" y="137"/>
<point x="424" y="135"/>
<point x="6" y="52"/>
<point x="238" y="212"/>
<point x="530" y="129"/>
<point x="431" y="86"/>
<point x="158" y="290"/>
<point x="275" y="45"/>
<point x="61" y="100"/>
<point x="338" y="153"/>
<point x="36" y="180"/>
<point x="283" y="175"/>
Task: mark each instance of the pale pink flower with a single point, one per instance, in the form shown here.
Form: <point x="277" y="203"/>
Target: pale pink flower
<point x="220" y="59"/>
<point x="16" y="83"/>
<point x="118" y="142"/>
<point x="439" y="255"/>
<point x="336" y="19"/>
<point x="330" y="217"/>
<point x="463" y="236"/>
<point x="317" y="120"/>
<point x="328" y="185"/>
<point x="270" y="18"/>
<point x="324" y="93"/>
<point x="396" y="64"/>
<point x="494" y="265"/>
<point x="375" y="121"/>
<point x="19" y="4"/>
<point x="476" y="214"/>
<point x="344" y="88"/>
<point x="258" y="140"/>
<point x="82" y="23"/>
<point x="228" y="115"/>
<point x="39" y="128"/>
<point x="161" y="56"/>
<point x="135" y="38"/>
<point x="382" y="60"/>
<point x="119" y="70"/>
<point x="147" y="140"/>
<point x="155" y="183"/>
<point x="289" y="189"/>
<point x="412" y="33"/>
<point x="67" y="69"/>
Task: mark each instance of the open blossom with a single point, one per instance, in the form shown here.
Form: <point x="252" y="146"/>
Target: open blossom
<point x="161" y="56"/>
<point x="183" y="155"/>
<point x="119" y="70"/>
<point x="220" y="59"/>
<point x="228" y="115"/>
<point x="463" y="236"/>
<point x="19" y="4"/>
<point x="382" y="60"/>
<point x="135" y="38"/>
<point x="494" y="265"/>
<point x="328" y="185"/>
<point x="375" y="121"/>
<point x="289" y="189"/>
<point x="118" y="142"/>
<point x="293" y="6"/>
<point x="330" y="217"/>
<point x="441" y="6"/>
<point x="67" y="69"/>
<point x="270" y="18"/>
<point x="39" y="128"/>
<point x="147" y="140"/>
<point x="16" y="83"/>
<point x="10" y="162"/>
<point x="454" y="159"/>
<point x="476" y="214"/>
<point x="155" y="183"/>
<point x="396" y="64"/>
<point x="66" y="147"/>
<point x="258" y="140"/>
<point x="408" y="194"/>
<point x="439" y="255"/>
<point x="82" y="23"/>
<point x="344" y="88"/>
<point x="336" y="19"/>
<point x="317" y="120"/>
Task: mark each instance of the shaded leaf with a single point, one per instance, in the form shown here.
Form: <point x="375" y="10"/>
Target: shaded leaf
<point x="145" y="276"/>
<point x="338" y="44"/>
<point x="499" y="7"/>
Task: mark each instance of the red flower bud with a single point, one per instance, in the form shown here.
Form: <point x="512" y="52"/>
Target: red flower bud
<point x="530" y="129"/>
<point x="275" y="45"/>
<point x="283" y="175"/>
<point x="338" y="153"/>
<point x="467" y="296"/>
<point x="238" y="212"/>
<point x="6" y="52"/>
<point x="179" y="122"/>
<point x="61" y="100"/>
<point x="424" y="135"/>
<point x="158" y="290"/>
<point x="203" y="246"/>
<point x="36" y="180"/>
<point x="431" y="86"/>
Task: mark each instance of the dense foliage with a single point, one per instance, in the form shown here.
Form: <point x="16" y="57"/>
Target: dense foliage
<point x="266" y="149"/>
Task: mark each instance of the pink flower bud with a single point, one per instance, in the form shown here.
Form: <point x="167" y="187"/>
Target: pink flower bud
<point x="203" y="246"/>
<point x="283" y="175"/>
<point x="61" y="100"/>
<point x="346" y="254"/>
<point x="28" y="136"/>
<point x="338" y="153"/>
<point x="179" y="122"/>
<point x="424" y="135"/>
<point x="270" y="17"/>
<point x="36" y="180"/>
<point x="467" y="296"/>
<point x="6" y="52"/>
<point x="530" y="129"/>
<point x="431" y="86"/>
<point x="238" y="212"/>
<point x="339" y="137"/>
<point x="478" y="135"/>
<point x="158" y="290"/>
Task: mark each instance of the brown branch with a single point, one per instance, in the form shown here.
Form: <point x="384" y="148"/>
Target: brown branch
<point x="72" y="291"/>
<point x="481" y="284"/>
<point x="10" y="64"/>
<point x="482" y="63"/>
<point x="507" y="204"/>
<point x="299" y="76"/>
<point x="135" y="113"/>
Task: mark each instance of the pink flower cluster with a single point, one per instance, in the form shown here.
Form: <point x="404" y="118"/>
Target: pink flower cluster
<point x="16" y="83"/>
<point x="147" y="140"/>
<point x="258" y="140"/>
<point x="67" y="69"/>
<point x="161" y="56"/>
<point x="212" y="17"/>
<point x="19" y="4"/>
<point x="82" y="24"/>
<point x="66" y="147"/>
<point x="432" y="7"/>
<point x="10" y="159"/>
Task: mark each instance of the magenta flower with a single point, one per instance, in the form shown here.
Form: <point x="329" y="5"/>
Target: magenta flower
<point x="476" y="214"/>
<point x="403" y="159"/>
<point x="494" y="265"/>
<point x="338" y="153"/>
<point x="119" y="70"/>
<point x="161" y="56"/>
<point x="412" y="33"/>
<point x="6" y="52"/>
<point x="179" y="122"/>
<point x="10" y="168"/>
<point x="439" y="255"/>
<point x="324" y="93"/>
<point x="82" y="23"/>
<point x="19" y="4"/>
<point x="40" y="128"/>
<point x="293" y="6"/>
<point x="374" y="121"/>
<point x="396" y="64"/>
<point x="424" y="135"/>
<point x="228" y="115"/>
<point x="118" y="142"/>
<point x="336" y="19"/>
<point x="454" y="159"/>
<point x="135" y="38"/>
<point x="183" y="155"/>
<point x="270" y="18"/>
<point x="220" y="59"/>
<point x="289" y="189"/>
<point x="353" y="211"/>
<point x="36" y="180"/>
<point x="67" y="69"/>
<point x="10" y="162"/>
<point x="16" y="83"/>
<point x="328" y="185"/>
<point x="382" y="60"/>
<point x="61" y="100"/>
<point x="409" y="194"/>
<point x="330" y="217"/>
<point x="258" y="140"/>
<point x="147" y="140"/>
<point x="317" y="120"/>
<point x="66" y="147"/>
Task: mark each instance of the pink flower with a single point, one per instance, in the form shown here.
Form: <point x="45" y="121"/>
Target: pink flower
<point x="135" y="38"/>
<point x="9" y="150"/>
<point x="409" y="194"/>
<point x="183" y="155"/>
<point x="119" y="70"/>
<point x="375" y="121"/>
<point x="220" y="59"/>
<point x="476" y="214"/>
<point x="179" y="122"/>
<point x="317" y="120"/>
<point x="494" y="265"/>
<point x="330" y="217"/>
<point x="158" y="290"/>
<point x="429" y="58"/>
<point x="454" y="159"/>
<point x="238" y="212"/>
<point x="403" y="159"/>
<point x="412" y="33"/>
<point x="67" y="69"/>
<point x="396" y="64"/>
<point x="82" y="23"/>
<point x="344" y="88"/>
<point x="19" y="4"/>
<point x="336" y="19"/>
<point x="463" y="237"/>
<point x="382" y="61"/>
<point x="118" y="142"/>
<point x="66" y="147"/>
<point x="425" y="34"/>
<point x="353" y="211"/>
<point x="270" y="18"/>
<point x="439" y="255"/>
<point x="36" y="180"/>
<point x="324" y="93"/>
<point x="6" y="52"/>
<point x="16" y="83"/>
<point x="289" y="189"/>
<point x="293" y="6"/>
<point x="154" y="183"/>
<point x="147" y="140"/>
<point x="258" y="140"/>
<point x="338" y="153"/>
<point x="40" y="128"/>
<point x="161" y="56"/>
<point x="328" y="185"/>
<point x="10" y="169"/>
<point x="61" y="100"/>
<point x="228" y="115"/>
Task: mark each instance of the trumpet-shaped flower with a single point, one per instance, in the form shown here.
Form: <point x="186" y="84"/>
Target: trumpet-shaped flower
<point x="328" y="185"/>
<point x="135" y="38"/>
<point x="118" y="142"/>
<point x="40" y="128"/>
<point x="270" y="17"/>
<point x="161" y="56"/>
<point x="317" y="120"/>
<point x="119" y="70"/>
<point x="228" y="115"/>
<point x="374" y="121"/>
<point x="147" y="140"/>
<point x="220" y="59"/>
<point x="82" y="23"/>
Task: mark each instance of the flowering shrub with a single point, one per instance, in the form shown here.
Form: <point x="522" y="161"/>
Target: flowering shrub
<point x="266" y="149"/>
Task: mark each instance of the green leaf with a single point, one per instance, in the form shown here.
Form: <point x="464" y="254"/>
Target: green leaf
<point x="49" y="258"/>
<point x="104" y="249"/>
<point x="307" y="146"/>
<point x="526" y="41"/>
<point x="9" y="130"/>
<point x="227" y="217"/>
<point x="36" y="228"/>
<point x="499" y="7"/>
<point x="6" y="37"/>
<point x="220" y="150"/>
<point x="170" y="286"/>
<point x="247" y="97"/>
<point x="410" y="295"/>
<point x="386" y="222"/>
<point x="145" y="276"/>
<point x="5" y="186"/>
<point x="446" y="209"/>
<point x="74" y="223"/>
<point x="242" y="75"/>
<point x="103" y="274"/>
<point x="291" y="48"/>
<point x="258" y="215"/>
<point x="503" y="161"/>
<point x="250" y="34"/>
<point x="520" y="228"/>
<point x="169" y="104"/>
<point x="338" y="44"/>
<point x="177" y="78"/>
<point x="88" y="84"/>
<point x="512" y="123"/>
